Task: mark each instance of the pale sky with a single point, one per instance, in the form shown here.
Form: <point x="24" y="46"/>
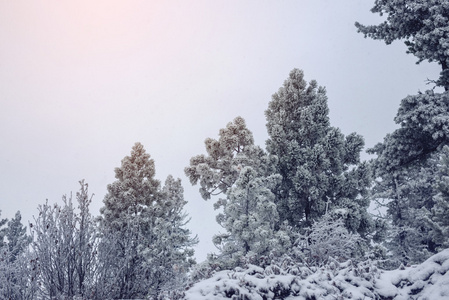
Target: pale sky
<point x="82" y="81"/>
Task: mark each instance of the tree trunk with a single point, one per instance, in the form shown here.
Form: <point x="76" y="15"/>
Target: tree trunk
<point x="444" y="66"/>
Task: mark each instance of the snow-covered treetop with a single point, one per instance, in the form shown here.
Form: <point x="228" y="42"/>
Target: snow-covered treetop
<point x="422" y="24"/>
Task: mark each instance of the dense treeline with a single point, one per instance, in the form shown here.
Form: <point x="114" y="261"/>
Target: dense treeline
<point x="302" y="201"/>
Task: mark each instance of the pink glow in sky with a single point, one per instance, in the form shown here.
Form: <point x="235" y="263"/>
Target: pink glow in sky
<point x="82" y="81"/>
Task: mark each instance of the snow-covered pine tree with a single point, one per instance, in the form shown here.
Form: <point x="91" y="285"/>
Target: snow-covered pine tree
<point x="423" y="26"/>
<point x="424" y="130"/>
<point x="172" y="257"/>
<point x="137" y="220"/>
<point x="219" y="169"/>
<point x="250" y="219"/>
<point x="17" y="238"/>
<point x="405" y="169"/>
<point x="407" y="160"/>
<point x="320" y="167"/>
<point x="13" y="279"/>
<point x="440" y="211"/>
<point x="243" y="174"/>
<point x="407" y="193"/>
<point x="130" y="199"/>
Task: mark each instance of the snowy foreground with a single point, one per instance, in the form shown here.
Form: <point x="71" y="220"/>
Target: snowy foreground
<point x="429" y="280"/>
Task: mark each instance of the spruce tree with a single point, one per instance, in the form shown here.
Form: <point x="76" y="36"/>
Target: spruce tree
<point x="320" y="167"/>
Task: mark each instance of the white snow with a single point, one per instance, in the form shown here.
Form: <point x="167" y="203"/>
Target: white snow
<point x="429" y="280"/>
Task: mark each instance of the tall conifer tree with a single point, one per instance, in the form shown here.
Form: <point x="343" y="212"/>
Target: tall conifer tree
<point x="243" y="175"/>
<point x="320" y="167"/>
<point x="143" y="236"/>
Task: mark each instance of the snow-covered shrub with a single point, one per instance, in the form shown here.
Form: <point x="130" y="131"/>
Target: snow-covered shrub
<point x="286" y="278"/>
<point x="428" y="280"/>
<point x="328" y="238"/>
<point x="281" y="281"/>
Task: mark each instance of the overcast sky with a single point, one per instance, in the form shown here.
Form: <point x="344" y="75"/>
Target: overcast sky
<point x="82" y="81"/>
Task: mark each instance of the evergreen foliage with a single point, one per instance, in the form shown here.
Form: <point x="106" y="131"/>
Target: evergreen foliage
<point x="407" y="160"/>
<point x="127" y="222"/>
<point x="250" y="218"/>
<point x="423" y="26"/>
<point x="424" y="129"/>
<point x="15" y="280"/>
<point x="320" y="167"/>
<point x="310" y="169"/>
<point x="172" y="257"/>
<point x="16" y="236"/>
<point x="243" y="174"/>
<point x="440" y="211"/>
<point x="294" y="215"/>
<point x="145" y="248"/>
<point x="408" y="196"/>
<point x="219" y="169"/>
<point x="134" y="192"/>
<point x="407" y="163"/>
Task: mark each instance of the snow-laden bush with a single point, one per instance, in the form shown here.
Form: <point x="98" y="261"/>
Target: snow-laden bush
<point x="328" y="238"/>
<point x="286" y="278"/>
<point x="277" y="281"/>
<point x="429" y="280"/>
